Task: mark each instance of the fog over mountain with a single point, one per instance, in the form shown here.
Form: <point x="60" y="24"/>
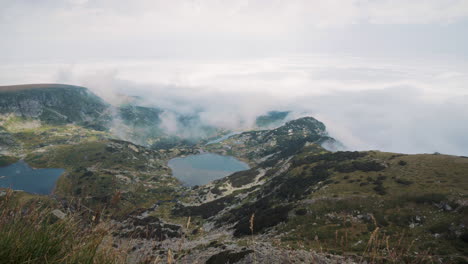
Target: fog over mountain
<point x="387" y="75"/>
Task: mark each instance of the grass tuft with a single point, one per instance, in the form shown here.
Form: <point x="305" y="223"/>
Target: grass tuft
<point x="30" y="233"/>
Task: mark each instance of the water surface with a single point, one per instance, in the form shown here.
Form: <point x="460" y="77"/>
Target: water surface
<point x="203" y="168"/>
<point x="19" y="176"/>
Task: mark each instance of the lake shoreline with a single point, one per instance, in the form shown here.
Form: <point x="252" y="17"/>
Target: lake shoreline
<point x="203" y="168"/>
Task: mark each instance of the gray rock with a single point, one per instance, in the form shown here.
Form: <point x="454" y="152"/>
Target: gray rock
<point x="59" y="214"/>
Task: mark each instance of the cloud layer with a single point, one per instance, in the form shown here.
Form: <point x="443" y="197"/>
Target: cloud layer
<point x="75" y="29"/>
<point x="389" y="105"/>
<point x="389" y="75"/>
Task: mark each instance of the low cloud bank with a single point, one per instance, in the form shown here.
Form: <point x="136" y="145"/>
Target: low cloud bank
<point x="366" y="104"/>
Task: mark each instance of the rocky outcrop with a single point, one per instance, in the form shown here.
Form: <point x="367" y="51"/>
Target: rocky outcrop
<point x="284" y="141"/>
<point x="148" y="227"/>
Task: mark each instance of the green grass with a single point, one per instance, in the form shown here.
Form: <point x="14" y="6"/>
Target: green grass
<point x="92" y="170"/>
<point x="409" y="214"/>
<point x="30" y="234"/>
<point x="92" y="160"/>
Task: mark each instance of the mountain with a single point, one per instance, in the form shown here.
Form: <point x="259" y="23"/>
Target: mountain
<point x="59" y="104"/>
<point x="284" y="140"/>
<point x="299" y="202"/>
<point x="158" y="128"/>
<point x="54" y="104"/>
<point x="272" y="118"/>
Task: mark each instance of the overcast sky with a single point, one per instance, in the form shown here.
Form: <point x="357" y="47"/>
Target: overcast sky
<point x="381" y="74"/>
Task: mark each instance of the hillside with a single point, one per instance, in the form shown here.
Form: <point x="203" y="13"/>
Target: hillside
<point x="60" y="104"/>
<point x="23" y="87"/>
<point x="54" y="104"/>
<point x="298" y="203"/>
<point x="361" y="203"/>
<point x="287" y="139"/>
<point x="272" y="118"/>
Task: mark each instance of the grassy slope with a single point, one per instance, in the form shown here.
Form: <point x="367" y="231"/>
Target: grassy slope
<point x="335" y="202"/>
<point x="97" y="167"/>
<point x="410" y="209"/>
<point x="30" y="233"/>
<point x="97" y="171"/>
<point x="321" y="202"/>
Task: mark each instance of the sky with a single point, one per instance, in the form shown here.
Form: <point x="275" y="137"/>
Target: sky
<point x="381" y="74"/>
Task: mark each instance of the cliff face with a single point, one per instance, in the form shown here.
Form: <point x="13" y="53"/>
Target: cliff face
<point x="54" y="104"/>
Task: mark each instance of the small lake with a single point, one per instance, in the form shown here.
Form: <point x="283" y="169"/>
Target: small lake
<point x="203" y="168"/>
<point x="19" y="176"/>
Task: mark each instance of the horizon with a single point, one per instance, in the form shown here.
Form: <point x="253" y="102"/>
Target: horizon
<point x="380" y="75"/>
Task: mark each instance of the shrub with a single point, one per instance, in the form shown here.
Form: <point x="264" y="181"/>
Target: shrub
<point x="404" y="182"/>
<point x="242" y="178"/>
<point x="216" y="190"/>
<point x="402" y="163"/>
<point x="380" y="189"/>
<point x="381" y="178"/>
<point x="263" y="219"/>
<point x="441" y="227"/>
<point x="464" y="237"/>
<point x="228" y="257"/>
<point x="205" y="210"/>
<point x="301" y="211"/>
<point x="368" y="165"/>
<point x="428" y="198"/>
<point x="331" y="157"/>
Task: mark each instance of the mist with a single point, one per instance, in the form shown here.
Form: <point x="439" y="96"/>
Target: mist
<point x="386" y="75"/>
<point x="389" y="106"/>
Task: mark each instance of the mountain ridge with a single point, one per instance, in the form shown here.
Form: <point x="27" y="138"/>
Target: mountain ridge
<point x="22" y="87"/>
<point x="299" y="202"/>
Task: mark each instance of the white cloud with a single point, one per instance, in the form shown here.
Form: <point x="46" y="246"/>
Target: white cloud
<point x="227" y="59"/>
<point x="416" y="11"/>
<point x="392" y="105"/>
<point x="94" y="28"/>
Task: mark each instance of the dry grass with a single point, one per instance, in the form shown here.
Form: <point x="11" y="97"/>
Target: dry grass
<point x="379" y="249"/>
<point x="29" y="233"/>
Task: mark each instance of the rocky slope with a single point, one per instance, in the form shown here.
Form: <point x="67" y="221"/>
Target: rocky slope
<point x="256" y="146"/>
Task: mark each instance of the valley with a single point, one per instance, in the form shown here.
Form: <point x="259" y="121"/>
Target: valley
<point x="289" y="194"/>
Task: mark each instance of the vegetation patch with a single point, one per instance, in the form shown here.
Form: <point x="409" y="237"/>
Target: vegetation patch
<point x="205" y="210"/>
<point x="242" y="178"/>
<point x="228" y="257"/>
<point x="7" y="160"/>
<point x="29" y="233"/>
<point x="264" y="218"/>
